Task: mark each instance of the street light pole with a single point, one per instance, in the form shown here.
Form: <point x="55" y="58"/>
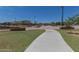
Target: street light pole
<point x="62" y="7"/>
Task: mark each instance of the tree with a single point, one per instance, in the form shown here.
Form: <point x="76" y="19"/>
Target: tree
<point x="77" y="20"/>
<point x="23" y="22"/>
<point x="70" y="21"/>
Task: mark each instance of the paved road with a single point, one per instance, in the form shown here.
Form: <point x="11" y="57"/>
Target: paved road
<point x="49" y="41"/>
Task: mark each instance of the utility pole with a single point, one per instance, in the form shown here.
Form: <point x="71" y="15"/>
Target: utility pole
<point x="62" y="15"/>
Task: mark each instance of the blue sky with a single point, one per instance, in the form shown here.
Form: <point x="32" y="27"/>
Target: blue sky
<point x="42" y="13"/>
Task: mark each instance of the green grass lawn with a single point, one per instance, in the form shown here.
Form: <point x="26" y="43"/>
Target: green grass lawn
<point x="71" y="39"/>
<point x="17" y="41"/>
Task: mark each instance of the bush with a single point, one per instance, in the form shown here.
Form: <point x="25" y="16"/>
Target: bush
<point x="4" y="27"/>
<point x="66" y="27"/>
<point x="17" y="29"/>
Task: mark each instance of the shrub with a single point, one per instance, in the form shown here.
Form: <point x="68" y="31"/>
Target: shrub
<point x="4" y="27"/>
<point x="66" y="27"/>
<point x="17" y="29"/>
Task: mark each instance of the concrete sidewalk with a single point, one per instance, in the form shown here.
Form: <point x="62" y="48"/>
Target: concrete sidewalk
<point x="49" y="41"/>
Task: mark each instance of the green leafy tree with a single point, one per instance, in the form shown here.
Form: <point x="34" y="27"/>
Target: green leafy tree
<point x="77" y="20"/>
<point x="70" y="21"/>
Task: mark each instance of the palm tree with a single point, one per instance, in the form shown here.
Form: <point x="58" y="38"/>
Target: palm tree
<point x="68" y="22"/>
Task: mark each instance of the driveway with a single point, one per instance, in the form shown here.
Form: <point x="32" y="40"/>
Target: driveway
<point x="49" y="41"/>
